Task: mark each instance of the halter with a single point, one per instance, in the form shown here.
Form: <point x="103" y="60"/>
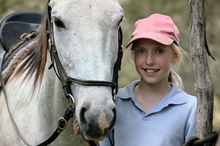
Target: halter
<point x="61" y="73"/>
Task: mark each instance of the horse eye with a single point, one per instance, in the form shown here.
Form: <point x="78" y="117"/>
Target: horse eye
<point x="58" y="23"/>
<point x="120" y="20"/>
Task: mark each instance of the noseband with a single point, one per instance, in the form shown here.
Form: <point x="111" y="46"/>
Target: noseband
<point x="61" y="73"/>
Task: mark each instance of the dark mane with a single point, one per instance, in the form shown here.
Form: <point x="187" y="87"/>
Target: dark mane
<point x="35" y="60"/>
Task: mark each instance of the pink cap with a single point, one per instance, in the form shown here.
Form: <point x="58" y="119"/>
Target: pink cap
<point x="157" y="27"/>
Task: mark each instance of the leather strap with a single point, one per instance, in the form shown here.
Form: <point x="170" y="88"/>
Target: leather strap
<point x="61" y="125"/>
<point x="92" y="143"/>
<point x="90" y="82"/>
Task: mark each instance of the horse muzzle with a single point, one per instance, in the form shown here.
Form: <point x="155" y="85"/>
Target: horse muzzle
<point x="96" y="123"/>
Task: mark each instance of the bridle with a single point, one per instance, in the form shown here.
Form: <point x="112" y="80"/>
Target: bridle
<point x="66" y="81"/>
<point x="61" y="73"/>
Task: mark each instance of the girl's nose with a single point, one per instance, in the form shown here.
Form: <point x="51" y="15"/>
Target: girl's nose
<point x="150" y="59"/>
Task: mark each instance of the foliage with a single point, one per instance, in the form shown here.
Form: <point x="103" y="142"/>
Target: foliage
<point x="9" y="6"/>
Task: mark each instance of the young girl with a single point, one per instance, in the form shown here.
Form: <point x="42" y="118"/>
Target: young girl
<point x="154" y="111"/>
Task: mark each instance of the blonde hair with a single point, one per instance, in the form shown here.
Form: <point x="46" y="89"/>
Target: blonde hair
<point x="173" y="76"/>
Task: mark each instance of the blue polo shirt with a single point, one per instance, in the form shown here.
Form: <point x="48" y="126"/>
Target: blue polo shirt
<point x="170" y="123"/>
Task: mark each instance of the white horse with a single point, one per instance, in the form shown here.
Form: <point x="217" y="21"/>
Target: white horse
<point x="85" y="34"/>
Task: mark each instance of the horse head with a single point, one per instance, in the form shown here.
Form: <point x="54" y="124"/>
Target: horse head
<point x="85" y="34"/>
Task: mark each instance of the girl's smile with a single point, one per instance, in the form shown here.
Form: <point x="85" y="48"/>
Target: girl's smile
<point x="151" y="71"/>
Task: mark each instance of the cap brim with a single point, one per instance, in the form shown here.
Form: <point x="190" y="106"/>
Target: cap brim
<point x="153" y="36"/>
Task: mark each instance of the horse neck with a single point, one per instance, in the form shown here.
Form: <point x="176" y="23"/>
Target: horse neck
<point x="52" y="103"/>
<point x="51" y="93"/>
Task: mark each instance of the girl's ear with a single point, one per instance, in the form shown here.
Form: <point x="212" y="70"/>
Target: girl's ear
<point x="132" y="54"/>
<point x="175" y="58"/>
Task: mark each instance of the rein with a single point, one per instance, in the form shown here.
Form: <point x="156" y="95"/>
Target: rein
<point x="66" y="81"/>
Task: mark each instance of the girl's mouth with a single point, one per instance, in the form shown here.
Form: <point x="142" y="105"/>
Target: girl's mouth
<point x="151" y="70"/>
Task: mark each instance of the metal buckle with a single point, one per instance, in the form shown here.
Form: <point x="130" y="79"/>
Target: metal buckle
<point x="25" y="36"/>
<point x="61" y="119"/>
<point x="50" y="44"/>
<point x="73" y="100"/>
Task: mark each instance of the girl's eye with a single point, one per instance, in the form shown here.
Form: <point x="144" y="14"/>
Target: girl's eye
<point x="159" y="51"/>
<point x="141" y="51"/>
<point x="58" y="23"/>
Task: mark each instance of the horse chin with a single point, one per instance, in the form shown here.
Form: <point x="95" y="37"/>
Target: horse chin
<point x="96" y="133"/>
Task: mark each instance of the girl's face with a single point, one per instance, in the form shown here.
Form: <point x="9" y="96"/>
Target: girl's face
<point x="153" y="60"/>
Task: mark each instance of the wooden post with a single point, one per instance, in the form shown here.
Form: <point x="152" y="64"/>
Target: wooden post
<point x="203" y="85"/>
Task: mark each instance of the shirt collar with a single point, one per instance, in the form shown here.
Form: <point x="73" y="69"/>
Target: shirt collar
<point x="176" y="96"/>
<point x="128" y="91"/>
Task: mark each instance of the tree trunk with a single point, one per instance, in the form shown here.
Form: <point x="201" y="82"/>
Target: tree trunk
<point x="203" y="85"/>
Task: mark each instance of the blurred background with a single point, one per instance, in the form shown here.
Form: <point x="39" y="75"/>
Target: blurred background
<point x="179" y="11"/>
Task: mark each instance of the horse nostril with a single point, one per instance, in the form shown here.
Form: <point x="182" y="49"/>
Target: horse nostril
<point x="96" y="122"/>
<point x="83" y="120"/>
<point x="114" y="117"/>
<point x="82" y="115"/>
